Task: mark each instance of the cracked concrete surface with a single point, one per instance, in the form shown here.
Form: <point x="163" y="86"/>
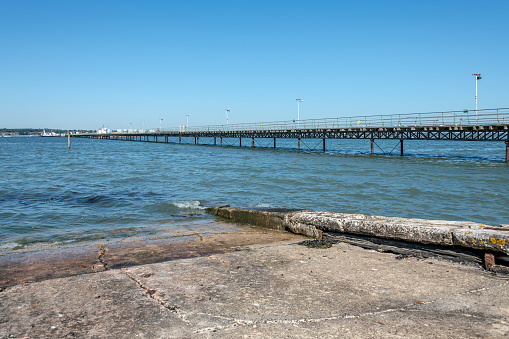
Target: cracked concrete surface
<point x="49" y="262"/>
<point x="277" y="290"/>
<point x="274" y="286"/>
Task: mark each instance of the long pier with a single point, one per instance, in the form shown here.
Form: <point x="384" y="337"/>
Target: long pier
<point x="480" y="125"/>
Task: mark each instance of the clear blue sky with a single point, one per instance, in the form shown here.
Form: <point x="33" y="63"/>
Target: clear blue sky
<point x="85" y="64"/>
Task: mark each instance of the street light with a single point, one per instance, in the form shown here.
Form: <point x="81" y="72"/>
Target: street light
<point x="477" y="77"/>
<point x="160" y="122"/>
<point x="187" y="120"/>
<point x="227" y="110"/>
<point x="298" y="113"/>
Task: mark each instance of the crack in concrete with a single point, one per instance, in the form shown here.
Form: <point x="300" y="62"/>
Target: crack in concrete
<point x="198" y="234"/>
<point x="152" y="293"/>
<point x="103" y="248"/>
<point x="406" y="308"/>
<point x="238" y="322"/>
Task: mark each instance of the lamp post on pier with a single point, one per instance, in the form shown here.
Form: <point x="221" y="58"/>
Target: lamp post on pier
<point x="160" y="123"/>
<point x="298" y="113"/>
<point x="187" y="121"/>
<point x="227" y="111"/>
<point x="477" y="77"/>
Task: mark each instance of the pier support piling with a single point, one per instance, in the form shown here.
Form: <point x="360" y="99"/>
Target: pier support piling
<point x="507" y="152"/>
<point x="415" y="130"/>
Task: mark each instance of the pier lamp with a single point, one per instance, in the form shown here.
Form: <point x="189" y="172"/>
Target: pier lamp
<point x="477" y="77"/>
<point x="187" y="120"/>
<point x="298" y="113"/>
<point x="160" y="123"/>
<point x="227" y="111"/>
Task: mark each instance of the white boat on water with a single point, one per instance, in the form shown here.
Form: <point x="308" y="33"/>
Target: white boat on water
<point x="49" y="134"/>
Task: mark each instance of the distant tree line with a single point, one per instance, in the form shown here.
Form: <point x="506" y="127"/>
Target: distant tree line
<point x="38" y="131"/>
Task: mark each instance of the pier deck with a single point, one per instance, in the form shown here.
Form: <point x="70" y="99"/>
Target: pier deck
<point x="481" y="125"/>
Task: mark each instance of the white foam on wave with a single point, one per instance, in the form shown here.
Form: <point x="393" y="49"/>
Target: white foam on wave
<point x="189" y="204"/>
<point x="8" y="246"/>
<point x="264" y="205"/>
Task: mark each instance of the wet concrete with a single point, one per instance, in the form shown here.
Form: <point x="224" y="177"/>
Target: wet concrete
<point x="62" y="261"/>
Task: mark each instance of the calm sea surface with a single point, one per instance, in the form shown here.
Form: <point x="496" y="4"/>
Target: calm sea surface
<point x="101" y="189"/>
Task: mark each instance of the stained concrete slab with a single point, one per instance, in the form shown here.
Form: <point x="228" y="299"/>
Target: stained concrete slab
<point x="277" y="290"/>
<point x="51" y="262"/>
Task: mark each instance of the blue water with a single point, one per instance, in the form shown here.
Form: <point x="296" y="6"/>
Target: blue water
<point x="102" y="189"/>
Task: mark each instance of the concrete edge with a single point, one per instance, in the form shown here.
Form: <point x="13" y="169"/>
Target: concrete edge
<point x="273" y="218"/>
<point x="312" y="224"/>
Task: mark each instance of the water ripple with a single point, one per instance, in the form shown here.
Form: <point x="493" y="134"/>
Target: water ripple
<point x="101" y="189"/>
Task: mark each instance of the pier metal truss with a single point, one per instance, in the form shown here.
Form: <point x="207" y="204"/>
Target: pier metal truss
<point x="464" y="134"/>
<point x="479" y="125"/>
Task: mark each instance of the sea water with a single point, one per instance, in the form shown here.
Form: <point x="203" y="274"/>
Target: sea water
<point x="103" y="189"/>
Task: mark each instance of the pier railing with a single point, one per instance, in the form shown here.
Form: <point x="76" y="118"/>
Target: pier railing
<point x="477" y="125"/>
<point x="465" y="118"/>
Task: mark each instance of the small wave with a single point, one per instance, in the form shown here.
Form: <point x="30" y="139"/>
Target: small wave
<point x="189" y="204"/>
<point x="264" y="205"/>
<point x="95" y="199"/>
<point x="8" y="246"/>
<point x="112" y="200"/>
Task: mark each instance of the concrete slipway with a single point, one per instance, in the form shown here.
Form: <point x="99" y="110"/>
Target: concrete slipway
<point x="275" y="288"/>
